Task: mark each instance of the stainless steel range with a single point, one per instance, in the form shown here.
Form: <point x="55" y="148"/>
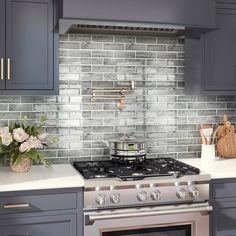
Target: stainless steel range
<point x="163" y="197"/>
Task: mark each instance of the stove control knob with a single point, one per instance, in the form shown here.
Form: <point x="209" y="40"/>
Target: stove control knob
<point x="181" y="193"/>
<point x="142" y="196"/>
<point x="194" y="192"/>
<point x="100" y="199"/>
<point x="115" y="198"/>
<point x="155" y="195"/>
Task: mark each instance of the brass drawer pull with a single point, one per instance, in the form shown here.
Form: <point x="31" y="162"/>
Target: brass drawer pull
<point x="8" y="68"/>
<point x="2" y="68"/>
<point x="14" y="206"/>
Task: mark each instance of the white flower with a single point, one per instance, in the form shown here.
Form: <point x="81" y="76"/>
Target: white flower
<point x="20" y="135"/>
<point x="6" y="138"/>
<point x="24" y="147"/>
<point x="4" y="130"/>
<point x="43" y="136"/>
<point x="34" y="142"/>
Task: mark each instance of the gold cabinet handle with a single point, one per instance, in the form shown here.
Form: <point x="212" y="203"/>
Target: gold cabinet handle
<point x="13" y="206"/>
<point x="8" y="68"/>
<point x="2" y="68"/>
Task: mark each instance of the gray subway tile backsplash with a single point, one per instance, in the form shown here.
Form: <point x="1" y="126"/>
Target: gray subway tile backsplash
<point x="157" y="110"/>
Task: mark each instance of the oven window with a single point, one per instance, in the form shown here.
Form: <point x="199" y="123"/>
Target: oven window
<point x="183" y="230"/>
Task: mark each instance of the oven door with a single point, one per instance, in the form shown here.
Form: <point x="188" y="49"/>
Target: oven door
<point x="174" y="220"/>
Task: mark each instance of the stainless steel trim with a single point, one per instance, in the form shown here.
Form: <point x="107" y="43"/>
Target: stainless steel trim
<point x="202" y="208"/>
<point x="121" y="90"/>
<point x="18" y="205"/>
<point x="2" y="68"/>
<point x="94" y="98"/>
<point x="8" y="68"/>
<point x="154" y="185"/>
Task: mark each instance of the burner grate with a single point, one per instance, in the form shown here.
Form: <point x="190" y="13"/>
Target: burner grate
<point x="149" y="168"/>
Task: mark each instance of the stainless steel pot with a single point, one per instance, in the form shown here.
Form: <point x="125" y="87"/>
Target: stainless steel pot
<point x="128" y="149"/>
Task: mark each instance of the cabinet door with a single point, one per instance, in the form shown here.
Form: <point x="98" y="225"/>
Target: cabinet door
<point x="61" y="225"/>
<point x="224" y="218"/>
<point x="29" y="44"/>
<point x="220" y="53"/>
<point x="2" y="44"/>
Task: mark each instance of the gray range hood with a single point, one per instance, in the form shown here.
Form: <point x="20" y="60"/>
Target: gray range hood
<point x="137" y="17"/>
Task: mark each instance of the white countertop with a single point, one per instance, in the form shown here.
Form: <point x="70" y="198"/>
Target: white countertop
<point x="65" y="176"/>
<point x="218" y="169"/>
<point x="40" y="177"/>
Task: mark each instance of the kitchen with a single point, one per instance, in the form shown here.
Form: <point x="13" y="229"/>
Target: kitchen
<point x="165" y="105"/>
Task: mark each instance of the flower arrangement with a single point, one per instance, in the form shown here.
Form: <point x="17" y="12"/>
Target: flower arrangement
<point x="19" y="140"/>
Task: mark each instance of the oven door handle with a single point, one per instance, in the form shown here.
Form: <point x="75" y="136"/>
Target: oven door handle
<point x="91" y="218"/>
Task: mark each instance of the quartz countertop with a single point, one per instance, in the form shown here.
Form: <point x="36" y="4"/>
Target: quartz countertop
<point x="65" y="176"/>
<point x="40" y="177"/>
<point x="218" y="168"/>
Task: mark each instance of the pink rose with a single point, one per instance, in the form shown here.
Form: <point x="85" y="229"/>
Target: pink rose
<point x="6" y="138"/>
<point x="24" y="147"/>
<point x="20" y="135"/>
<point x="43" y="136"/>
<point x="4" y="130"/>
<point x="34" y="142"/>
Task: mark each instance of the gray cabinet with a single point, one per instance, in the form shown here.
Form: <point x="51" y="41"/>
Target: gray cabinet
<point x="211" y="60"/>
<point x="30" y="61"/>
<point x="2" y="43"/>
<point x="224" y="205"/>
<point x="42" y="213"/>
<point x="60" y="225"/>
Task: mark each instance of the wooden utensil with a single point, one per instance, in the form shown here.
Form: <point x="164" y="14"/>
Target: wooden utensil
<point x="214" y="135"/>
<point x="204" y="141"/>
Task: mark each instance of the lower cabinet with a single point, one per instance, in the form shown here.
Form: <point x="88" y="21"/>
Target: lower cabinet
<point x="224" y="218"/>
<point x="42" y="213"/>
<point x="58" y="225"/>
<point x="224" y="205"/>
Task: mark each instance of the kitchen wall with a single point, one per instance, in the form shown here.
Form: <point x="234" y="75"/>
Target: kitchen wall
<point x="157" y="110"/>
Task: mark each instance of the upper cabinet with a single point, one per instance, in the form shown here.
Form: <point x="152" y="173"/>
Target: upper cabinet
<point x="211" y="60"/>
<point x="28" y="47"/>
<point x="2" y="43"/>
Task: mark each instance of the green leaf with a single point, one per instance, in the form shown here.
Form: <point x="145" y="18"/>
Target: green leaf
<point x="43" y="118"/>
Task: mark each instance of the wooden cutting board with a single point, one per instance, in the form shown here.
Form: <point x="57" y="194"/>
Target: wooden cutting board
<point x="226" y="146"/>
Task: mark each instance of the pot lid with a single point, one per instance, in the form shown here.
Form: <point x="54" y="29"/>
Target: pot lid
<point x="128" y="138"/>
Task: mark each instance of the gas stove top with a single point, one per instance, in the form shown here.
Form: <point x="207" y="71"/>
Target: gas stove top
<point x="159" y="167"/>
<point x="109" y="184"/>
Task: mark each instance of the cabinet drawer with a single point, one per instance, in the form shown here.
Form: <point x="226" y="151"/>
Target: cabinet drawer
<point x="58" y="225"/>
<point x="224" y="190"/>
<point x="36" y="203"/>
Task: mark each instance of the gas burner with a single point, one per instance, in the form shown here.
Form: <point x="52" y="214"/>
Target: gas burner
<point x="149" y="168"/>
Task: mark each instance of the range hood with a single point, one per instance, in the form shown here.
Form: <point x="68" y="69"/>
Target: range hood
<point x="137" y="17"/>
<point x="121" y="28"/>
